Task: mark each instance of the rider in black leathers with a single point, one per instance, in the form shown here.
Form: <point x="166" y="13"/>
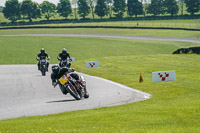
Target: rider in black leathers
<point x="58" y="72"/>
<point x="42" y="55"/>
<point x="63" y="56"/>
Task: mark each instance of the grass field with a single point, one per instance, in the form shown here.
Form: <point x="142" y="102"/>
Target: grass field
<point x="2" y="18"/>
<point x="135" y="32"/>
<point x="173" y="108"/>
<point x="172" y="23"/>
<point x="179" y="23"/>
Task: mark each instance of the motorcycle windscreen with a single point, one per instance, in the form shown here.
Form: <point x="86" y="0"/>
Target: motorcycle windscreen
<point x="43" y="61"/>
<point x="63" y="80"/>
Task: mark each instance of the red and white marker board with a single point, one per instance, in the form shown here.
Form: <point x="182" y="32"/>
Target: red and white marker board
<point x="92" y="64"/>
<point x="164" y="76"/>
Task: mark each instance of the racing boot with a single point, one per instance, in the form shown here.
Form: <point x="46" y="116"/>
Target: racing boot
<point x="47" y="66"/>
<point x="38" y="67"/>
<point x="86" y="93"/>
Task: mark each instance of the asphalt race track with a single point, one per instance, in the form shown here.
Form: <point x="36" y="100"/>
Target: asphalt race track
<point x="194" y="40"/>
<point x="24" y="92"/>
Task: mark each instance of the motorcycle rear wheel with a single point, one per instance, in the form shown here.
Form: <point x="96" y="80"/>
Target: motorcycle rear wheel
<point x="43" y="72"/>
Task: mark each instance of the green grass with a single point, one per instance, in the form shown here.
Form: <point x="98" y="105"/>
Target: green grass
<point x="173" y="108"/>
<point x="135" y="32"/>
<point x="2" y="18"/>
<point x="172" y="23"/>
<point x="18" y="47"/>
<point x="179" y="23"/>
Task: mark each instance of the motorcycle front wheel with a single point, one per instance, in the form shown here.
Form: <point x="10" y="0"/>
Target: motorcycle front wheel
<point x="73" y="91"/>
<point x="43" y="72"/>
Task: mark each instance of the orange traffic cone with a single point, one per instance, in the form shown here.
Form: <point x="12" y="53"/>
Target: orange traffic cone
<point x="141" y="79"/>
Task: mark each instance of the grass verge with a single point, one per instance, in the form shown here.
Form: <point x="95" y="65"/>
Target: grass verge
<point x="174" y="106"/>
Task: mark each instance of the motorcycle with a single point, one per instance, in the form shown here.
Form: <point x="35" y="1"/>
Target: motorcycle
<point x="43" y="67"/>
<point x="68" y="84"/>
<point x="65" y="63"/>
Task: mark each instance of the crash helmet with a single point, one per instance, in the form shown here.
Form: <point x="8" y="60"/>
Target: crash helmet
<point x="55" y="69"/>
<point x="42" y="50"/>
<point x="64" y="51"/>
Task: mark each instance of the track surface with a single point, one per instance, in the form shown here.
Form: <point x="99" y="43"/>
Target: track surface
<point x="24" y="92"/>
<point x="194" y="40"/>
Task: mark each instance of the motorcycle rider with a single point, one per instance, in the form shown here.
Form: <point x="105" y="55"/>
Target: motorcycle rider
<point x="58" y="72"/>
<point x="63" y="56"/>
<point x="42" y="56"/>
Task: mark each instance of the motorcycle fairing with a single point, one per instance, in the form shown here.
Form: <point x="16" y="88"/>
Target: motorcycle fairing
<point x="63" y="80"/>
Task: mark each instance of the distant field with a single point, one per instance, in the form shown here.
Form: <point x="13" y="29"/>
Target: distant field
<point x="181" y="23"/>
<point x="188" y="23"/>
<point x="172" y="23"/>
<point x="136" y="32"/>
<point x="174" y="106"/>
<point x="2" y="18"/>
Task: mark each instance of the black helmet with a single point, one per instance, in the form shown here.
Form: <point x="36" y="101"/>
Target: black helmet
<point x="64" y="51"/>
<point x="42" y="50"/>
<point x="55" y="69"/>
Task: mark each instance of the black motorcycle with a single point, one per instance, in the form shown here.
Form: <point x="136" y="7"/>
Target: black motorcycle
<point x="43" y="67"/>
<point x="68" y="84"/>
<point x="65" y="63"/>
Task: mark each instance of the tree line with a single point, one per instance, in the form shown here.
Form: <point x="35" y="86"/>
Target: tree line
<point x="28" y="9"/>
<point x="1" y="8"/>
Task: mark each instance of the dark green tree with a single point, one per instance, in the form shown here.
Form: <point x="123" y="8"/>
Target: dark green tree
<point x="64" y="8"/>
<point x="11" y="10"/>
<point x="134" y="8"/>
<point x="156" y="7"/>
<point x="119" y="8"/>
<point x="30" y="10"/>
<point x="74" y="3"/>
<point x="83" y="8"/>
<point x="171" y="6"/>
<point x="181" y="4"/>
<point x="92" y="4"/>
<point x="1" y="8"/>
<point x="193" y="6"/>
<point x="145" y="4"/>
<point x="101" y="8"/>
<point x="109" y="4"/>
<point x="48" y="9"/>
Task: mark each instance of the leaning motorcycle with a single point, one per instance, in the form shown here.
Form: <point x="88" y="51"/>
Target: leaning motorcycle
<point x="43" y="67"/>
<point x="68" y="84"/>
